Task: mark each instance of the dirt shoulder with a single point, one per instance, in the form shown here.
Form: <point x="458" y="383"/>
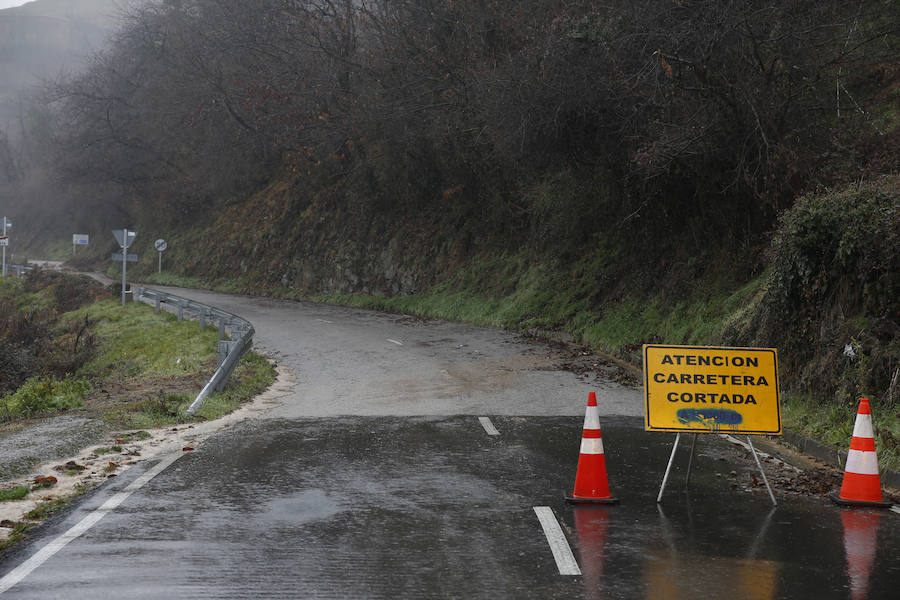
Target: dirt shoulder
<point x="109" y="454"/>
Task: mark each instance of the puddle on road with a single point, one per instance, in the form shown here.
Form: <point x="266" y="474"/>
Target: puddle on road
<point x="300" y="508"/>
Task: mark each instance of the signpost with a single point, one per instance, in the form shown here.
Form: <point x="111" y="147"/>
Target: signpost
<point x="79" y="239"/>
<point x="125" y="239"/>
<point x="701" y="389"/>
<point x="160" y="246"/>
<point x="4" y="241"/>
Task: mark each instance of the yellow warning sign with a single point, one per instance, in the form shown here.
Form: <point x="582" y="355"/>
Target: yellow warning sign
<point x="711" y="389"/>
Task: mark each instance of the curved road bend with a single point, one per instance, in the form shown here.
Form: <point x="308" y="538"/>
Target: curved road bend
<point x="353" y="362"/>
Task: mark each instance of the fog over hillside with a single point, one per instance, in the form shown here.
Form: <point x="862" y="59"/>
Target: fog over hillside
<point x="44" y="39"/>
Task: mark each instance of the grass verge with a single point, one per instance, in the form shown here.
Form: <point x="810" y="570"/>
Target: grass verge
<point x="135" y="342"/>
<point x="12" y="494"/>
<point x="832" y="424"/>
<point x="536" y="296"/>
<point x="18" y="533"/>
<point x="160" y="364"/>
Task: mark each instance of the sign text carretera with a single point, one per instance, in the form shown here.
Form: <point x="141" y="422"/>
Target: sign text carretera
<point x="704" y="389"/>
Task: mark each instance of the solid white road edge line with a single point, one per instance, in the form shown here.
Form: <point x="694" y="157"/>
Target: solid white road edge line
<point x="565" y="560"/>
<point x="42" y="555"/>
<point x="488" y="426"/>
<point x="395" y="342"/>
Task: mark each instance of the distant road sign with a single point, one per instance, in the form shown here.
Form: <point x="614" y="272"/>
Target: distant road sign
<point x="80" y="239"/>
<point x="130" y="258"/>
<point x="120" y="237"/>
<point x="4" y="241"/>
<point x="160" y="245"/>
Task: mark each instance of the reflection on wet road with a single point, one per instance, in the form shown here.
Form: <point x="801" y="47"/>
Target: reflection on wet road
<point x="435" y="507"/>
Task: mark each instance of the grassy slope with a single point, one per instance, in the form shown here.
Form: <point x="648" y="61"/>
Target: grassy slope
<point x="159" y="362"/>
<point x="146" y="369"/>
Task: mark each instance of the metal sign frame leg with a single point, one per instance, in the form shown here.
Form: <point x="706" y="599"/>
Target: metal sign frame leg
<point x="691" y="460"/>
<point x="668" y="468"/>
<point x="687" y="477"/>
<point x="761" y="472"/>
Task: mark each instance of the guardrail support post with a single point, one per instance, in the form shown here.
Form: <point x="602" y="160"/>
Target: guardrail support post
<point x="223" y="348"/>
<point x="157" y="305"/>
<point x="180" y="312"/>
<point x="222" y="329"/>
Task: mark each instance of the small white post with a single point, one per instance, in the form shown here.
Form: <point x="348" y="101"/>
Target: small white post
<point x="124" y="263"/>
<point x="5" y="242"/>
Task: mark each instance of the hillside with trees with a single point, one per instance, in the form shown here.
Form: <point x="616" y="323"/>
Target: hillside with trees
<point x="615" y="173"/>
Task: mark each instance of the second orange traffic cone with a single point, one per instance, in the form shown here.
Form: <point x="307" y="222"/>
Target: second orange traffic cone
<point x="591" y="484"/>
<point x="861" y="485"/>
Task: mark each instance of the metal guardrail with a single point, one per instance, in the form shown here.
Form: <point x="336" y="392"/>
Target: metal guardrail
<point x="18" y="270"/>
<point x="229" y="351"/>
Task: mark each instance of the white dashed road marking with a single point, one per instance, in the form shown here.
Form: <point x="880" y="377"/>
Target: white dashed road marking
<point x="565" y="560"/>
<point x="488" y="426"/>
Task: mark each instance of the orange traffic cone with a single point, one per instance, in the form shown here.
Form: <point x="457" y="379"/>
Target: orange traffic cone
<point x="591" y="484"/>
<point x="861" y="485"/>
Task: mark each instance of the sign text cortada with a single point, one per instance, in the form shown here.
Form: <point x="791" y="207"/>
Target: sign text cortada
<point x="704" y="389"/>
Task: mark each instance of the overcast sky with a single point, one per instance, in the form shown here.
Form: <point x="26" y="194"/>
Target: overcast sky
<point x="9" y="3"/>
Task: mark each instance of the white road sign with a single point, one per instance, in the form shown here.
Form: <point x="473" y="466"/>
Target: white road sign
<point x="120" y="237"/>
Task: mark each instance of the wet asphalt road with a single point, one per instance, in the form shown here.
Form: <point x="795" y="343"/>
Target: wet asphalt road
<point x="361" y="363"/>
<point x="384" y="483"/>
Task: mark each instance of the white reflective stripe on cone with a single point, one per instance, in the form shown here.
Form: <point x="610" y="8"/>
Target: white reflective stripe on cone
<point x="591" y="418"/>
<point x="862" y="463"/>
<point x="591" y="446"/>
<point x="863" y="427"/>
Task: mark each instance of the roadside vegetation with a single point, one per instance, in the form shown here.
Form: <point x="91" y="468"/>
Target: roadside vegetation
<point x="41" y="348"/>
<point x="130" y="367"/>
<point x="43" y="510"/>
